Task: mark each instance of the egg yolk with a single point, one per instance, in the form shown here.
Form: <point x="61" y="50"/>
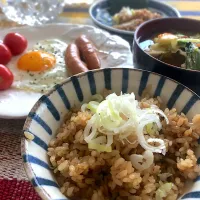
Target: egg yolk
<point x="36" y="61"/>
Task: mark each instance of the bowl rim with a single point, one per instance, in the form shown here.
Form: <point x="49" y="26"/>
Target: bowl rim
<point x="136" y="39"/>
<point x="129" y="33"/>
<point x="27" y="166"/>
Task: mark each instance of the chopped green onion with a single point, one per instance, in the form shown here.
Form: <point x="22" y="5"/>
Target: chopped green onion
<point x="122" y="115"/>
<point x="149" y="128"/>
<point x="163" y="191"/>
<point x="97" y="97"/>
<point x="99" y="147"/>
<point x="133" y="12"/>
<point x="114" y="113"/>
<point x="93" y="105"/>
<point x="83" y="107"/>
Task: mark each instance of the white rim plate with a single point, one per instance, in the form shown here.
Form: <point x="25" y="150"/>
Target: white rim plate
<point x="113" y="52"/>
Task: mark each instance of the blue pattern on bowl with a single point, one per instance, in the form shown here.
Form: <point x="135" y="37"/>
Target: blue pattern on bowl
<point x="48" y="113"/>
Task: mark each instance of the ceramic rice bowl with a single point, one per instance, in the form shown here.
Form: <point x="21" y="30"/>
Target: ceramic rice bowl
<point x="48" y="114"/>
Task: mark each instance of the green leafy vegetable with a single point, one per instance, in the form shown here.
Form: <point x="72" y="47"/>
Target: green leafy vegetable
<point x="182" y="42"/>
<point x="192" y="56"/>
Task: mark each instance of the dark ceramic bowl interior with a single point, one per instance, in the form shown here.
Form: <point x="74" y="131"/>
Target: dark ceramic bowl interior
<point x="101" y="13"/>
<point x="143" y="60"/>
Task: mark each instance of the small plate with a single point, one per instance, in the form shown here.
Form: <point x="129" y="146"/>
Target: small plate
<point x="100" y="13"/>
<point x="112" y="50"/>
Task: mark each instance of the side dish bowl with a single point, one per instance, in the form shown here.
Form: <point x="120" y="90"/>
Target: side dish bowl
<point x="190" y="78"/>
<point x="49" y="112"/>
<point x="101" y="13"/>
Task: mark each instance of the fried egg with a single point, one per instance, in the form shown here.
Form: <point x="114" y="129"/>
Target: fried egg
<point x="40" y="68"/>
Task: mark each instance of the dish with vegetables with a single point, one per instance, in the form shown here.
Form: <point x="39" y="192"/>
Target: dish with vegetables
<point x="117" y="147"/>
<point x="129" y="19"/>
<point x="181" y="50"/>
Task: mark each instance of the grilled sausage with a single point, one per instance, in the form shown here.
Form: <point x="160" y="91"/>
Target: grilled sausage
<point x="73" y="60"/>
<point x="88" y="52"/>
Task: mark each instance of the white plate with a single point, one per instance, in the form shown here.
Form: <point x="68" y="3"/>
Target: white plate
<point x="113" y="52"/>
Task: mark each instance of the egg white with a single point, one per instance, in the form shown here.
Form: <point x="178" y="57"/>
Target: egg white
<point x="41" y="81"/>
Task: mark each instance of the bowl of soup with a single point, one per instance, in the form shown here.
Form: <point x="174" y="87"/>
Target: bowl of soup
<point x="171" y="47"/>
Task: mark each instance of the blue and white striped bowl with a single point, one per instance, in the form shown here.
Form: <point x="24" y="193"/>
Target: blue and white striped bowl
<point x="48" y="113"/>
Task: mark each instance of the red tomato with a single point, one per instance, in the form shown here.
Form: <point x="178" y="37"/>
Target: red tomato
<point x="6" y="78"/>
<point x="16" y="43"/>
<point x="5" y="54"/>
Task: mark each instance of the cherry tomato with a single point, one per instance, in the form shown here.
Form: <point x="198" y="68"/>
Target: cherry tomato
<point x="6" y="78"/>
<point x="16" y="43"/>
<point x="5" y="54"/>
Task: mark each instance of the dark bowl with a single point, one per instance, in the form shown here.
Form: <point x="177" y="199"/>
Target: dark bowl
<point x="102" y="11"/>
<point x="143" y="60"/>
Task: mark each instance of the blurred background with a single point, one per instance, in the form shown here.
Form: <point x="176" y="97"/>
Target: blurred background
<point x="76" y="11"/>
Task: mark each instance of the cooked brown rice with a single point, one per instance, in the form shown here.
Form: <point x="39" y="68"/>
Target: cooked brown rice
<point x="89" y="175"/>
